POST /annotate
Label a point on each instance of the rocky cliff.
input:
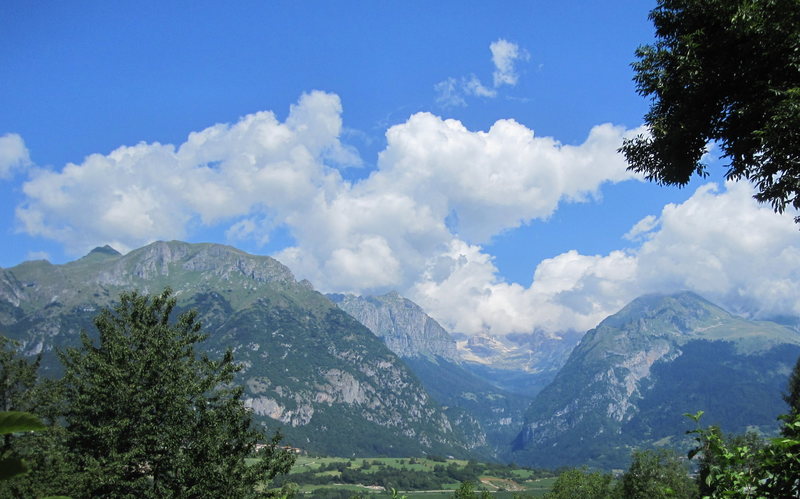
(402, 324)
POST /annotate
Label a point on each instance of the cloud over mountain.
(417, 223)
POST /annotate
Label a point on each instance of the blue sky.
(449, 150)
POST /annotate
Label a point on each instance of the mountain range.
(632, 378)
(354, 375)
(329, 383)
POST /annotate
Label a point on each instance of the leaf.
(15, 421)
(11, 467)
(694, 417)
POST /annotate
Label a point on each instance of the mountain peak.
(683, 312)
(104, 250)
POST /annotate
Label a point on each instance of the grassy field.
(342, 477)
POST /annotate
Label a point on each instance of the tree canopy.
(727, 72)
(139, 413)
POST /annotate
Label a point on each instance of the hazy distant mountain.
(522, 363)
(631, 379)
(489, 416)
(310, 368)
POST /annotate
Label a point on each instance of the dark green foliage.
(146, 416)
(17, 377)
(726, 71)
(14, 422)
(466, 490)
(42, 451)
(792, 395)
(582, 483)
(655, 474)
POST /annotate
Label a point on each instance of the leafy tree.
(656, 474)
(726, 71)
(737, 467)
(146, 416)
(792, 396)
(581, 483)
(467, 491)
(11, 422)
(17, 377)
(42, 452)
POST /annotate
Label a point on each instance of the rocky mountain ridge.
(405, 328)
(308, 367)
(626, 383)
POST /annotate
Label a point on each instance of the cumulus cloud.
(417, 223)
(13, 155)
(569, 292)
(141, 193)
(452, 91)
(719, 243)
(730, 249)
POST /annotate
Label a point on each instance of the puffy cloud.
(13, 154)
(436, 182)
(463, 291)
(417, 222)
(728, 248)
(718, 243)
(141, 193)
(504, 56)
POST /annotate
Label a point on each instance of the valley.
(375, 377)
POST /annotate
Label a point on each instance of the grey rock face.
(407, 330)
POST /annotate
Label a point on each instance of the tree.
(581, 483)
(724, 71)
(655, 474)
(466, 490)
(146, 416)
(42, 452)
(745, 465)
(792, 396)
(17, 377)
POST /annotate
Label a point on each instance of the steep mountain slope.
(310, 368)
(630, 380)
(488, 415)
(402, 324)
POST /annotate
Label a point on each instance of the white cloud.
(570, 291)
(720, 244)
(378, 233)
(452, 92)
(138, 194)
(417, 222)
(13, 155)
(728, 248)
(641, 228)
(504, 56)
